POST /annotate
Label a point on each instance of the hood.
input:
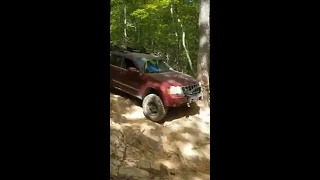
(174, 78)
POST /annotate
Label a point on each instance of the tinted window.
(116, 60)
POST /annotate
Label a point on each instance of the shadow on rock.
(180, 112)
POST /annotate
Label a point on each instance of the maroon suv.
(152, 80)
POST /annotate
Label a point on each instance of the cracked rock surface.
(140, 149)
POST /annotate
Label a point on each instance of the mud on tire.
(153, 108)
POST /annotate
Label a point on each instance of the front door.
(133, 79)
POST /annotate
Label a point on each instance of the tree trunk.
(125, 24)
(183, 40)
(175, 31)
(185, 47)
(204, 50)
(178, 45)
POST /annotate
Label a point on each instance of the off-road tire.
(162, 110)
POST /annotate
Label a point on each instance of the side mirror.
(133, 69)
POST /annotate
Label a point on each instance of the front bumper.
(176, 100)
(194, 98)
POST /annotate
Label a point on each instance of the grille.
(191, 89)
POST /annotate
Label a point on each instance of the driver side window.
(129, 63)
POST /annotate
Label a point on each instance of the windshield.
(155, 66)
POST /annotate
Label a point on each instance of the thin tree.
(204, 49)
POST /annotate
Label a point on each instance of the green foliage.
(150, 25)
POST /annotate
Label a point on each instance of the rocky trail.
(176, 149)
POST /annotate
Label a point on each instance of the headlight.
(175, 90)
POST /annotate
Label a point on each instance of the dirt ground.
(177, 148)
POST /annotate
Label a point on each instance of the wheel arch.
(152, 90)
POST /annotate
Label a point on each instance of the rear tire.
(153, 108)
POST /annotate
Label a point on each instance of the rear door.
(116, 70)
(119, 74)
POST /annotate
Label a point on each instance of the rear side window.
(116, 60)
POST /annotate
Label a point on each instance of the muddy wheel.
(153, 108)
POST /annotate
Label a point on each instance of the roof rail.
(136, 50)
(128, 49)
(115, 48)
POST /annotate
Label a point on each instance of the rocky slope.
(140, 149)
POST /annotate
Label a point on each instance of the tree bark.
(204, 50)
